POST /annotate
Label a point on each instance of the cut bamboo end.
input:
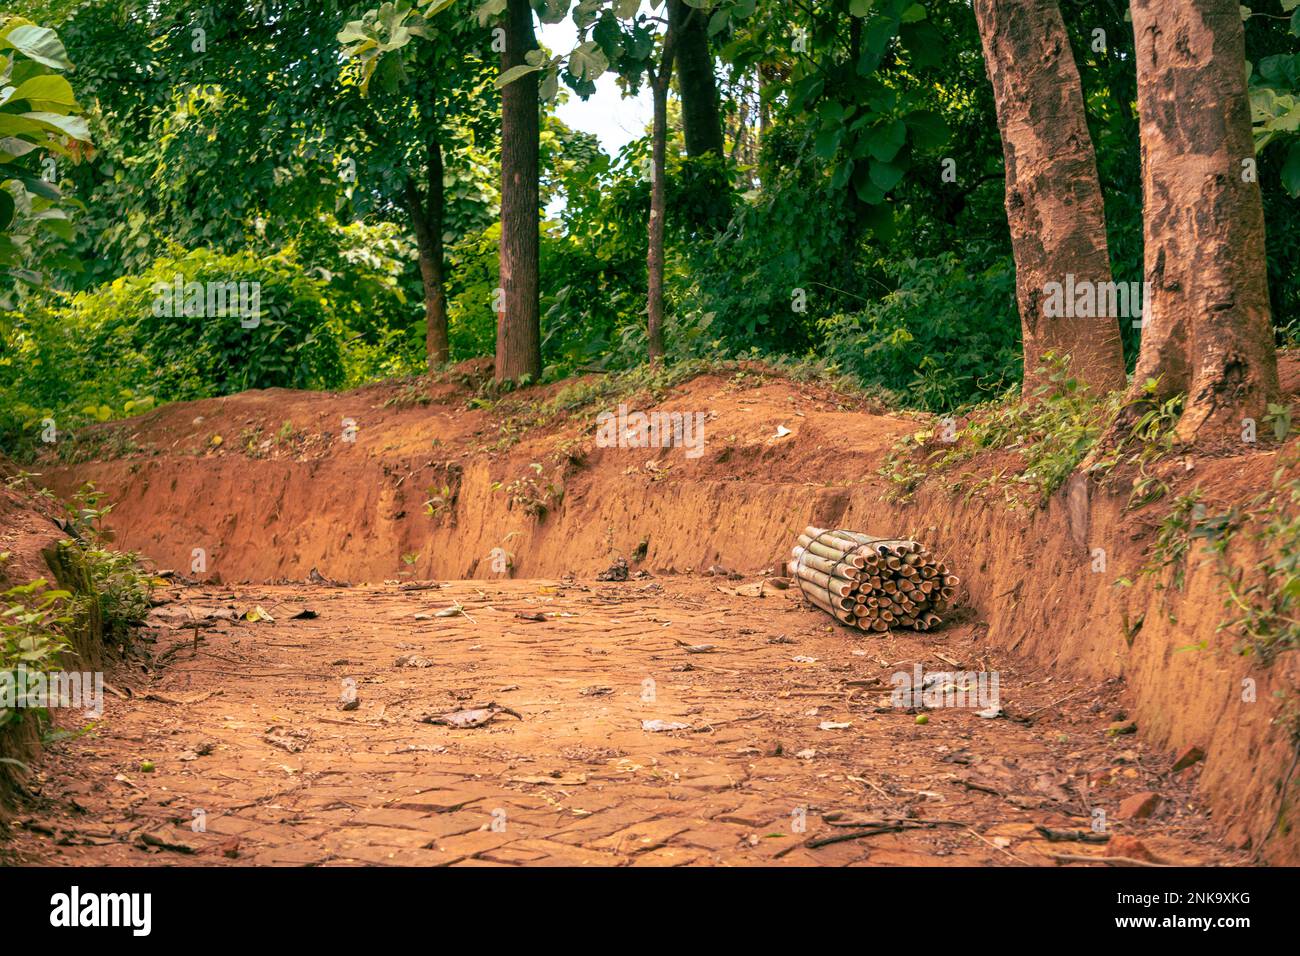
(870, 582)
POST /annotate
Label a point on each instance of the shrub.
(945, 337)
(116, 349)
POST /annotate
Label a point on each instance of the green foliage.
(373, 293)
(1174, 538)
(1263, 602)
(833, 232)
(32, 618)
(1047, 437)
(114, 349)
(1146, 442)
(40, 126)
(942, 339)
(106, 598)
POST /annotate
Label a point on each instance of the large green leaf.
(46, 90)
(37, 43)
(885, 175)
(74, 126)
(1291, 170)
(886, 140)
(12, 124)
(514, 73)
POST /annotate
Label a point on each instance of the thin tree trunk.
(658, 197)
(519, 349)
(1053, 199)
(427, 221)
(1208, 330)
(701, 114)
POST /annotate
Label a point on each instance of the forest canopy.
(825, 184)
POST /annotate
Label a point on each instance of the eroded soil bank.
(410, 483)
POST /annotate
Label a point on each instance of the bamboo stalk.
(872, 582)
(838, 613)
(829, 551)
(835, 586)
(825, 565)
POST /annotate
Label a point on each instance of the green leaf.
(860, 8)
(550, 85)
(886, 140)
(47, 89)
(1291, 171)
(913, 14)
(553, 11)
(74, 126)
(38, 43)
(929, 129)
(885, 175)
(866, 190)
(514, 73)
(33, 182)
(588, 61)
(12, 125)
(828, 141)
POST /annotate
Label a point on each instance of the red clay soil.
(411, 482)
(790, 752)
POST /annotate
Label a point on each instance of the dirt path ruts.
(579, 781)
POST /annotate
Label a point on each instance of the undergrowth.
(1261, 601)
(1050, 434)
(582, 400)
(105, 598)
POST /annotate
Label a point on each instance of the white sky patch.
(614, 119)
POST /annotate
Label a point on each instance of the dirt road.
(790, 739)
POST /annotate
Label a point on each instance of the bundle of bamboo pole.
(872, 583)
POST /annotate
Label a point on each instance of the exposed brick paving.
(577, 781)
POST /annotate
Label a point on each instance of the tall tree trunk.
(701, 113)
(519, 347)
(1053, 199)
(658, 204)
(658, 197)
(426, 214)
(1208, 331)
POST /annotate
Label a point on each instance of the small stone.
(1140, 806)
(1188, 757)
(1131, 847)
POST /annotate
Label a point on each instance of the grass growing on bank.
(643, 385)
(1049, 436)
(98, 599)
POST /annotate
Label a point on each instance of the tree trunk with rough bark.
(658, 197)
(1053, 198)
(519, 349)
(1208, 331)
(701, 113)
(426, 214)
